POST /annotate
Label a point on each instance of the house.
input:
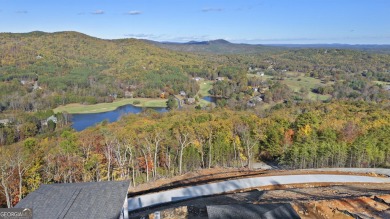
(52, 118)
(38, 57)
(4, 121)
(79, 200)
(113, 96)
(36, 86)
(250, 104)
(197, 78)
(190, 100)
(128, 94)
(257, 99)
(182, 93)
(219, 79)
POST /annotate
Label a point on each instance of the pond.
(83, 121)
(210, 99)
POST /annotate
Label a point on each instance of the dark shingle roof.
(77, 200)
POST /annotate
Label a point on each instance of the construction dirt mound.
(361, 207)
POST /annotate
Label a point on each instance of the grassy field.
(299, 81)
(105, 107)
(381, 82)
(204, 87)
(296, 81)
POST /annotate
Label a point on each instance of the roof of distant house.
(52, 118)
(4, 121)
(191, 100)
(77, 200)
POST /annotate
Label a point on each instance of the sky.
(239, 21)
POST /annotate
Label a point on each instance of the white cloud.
(169, 38)
(190, 38)
(97, 12)
(212, 9)
(134, 13)
(144, 36)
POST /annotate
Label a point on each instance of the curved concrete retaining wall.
(382, 171)
(238, 184)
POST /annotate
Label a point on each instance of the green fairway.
(105, 107)
(296, 81)
(204, 87)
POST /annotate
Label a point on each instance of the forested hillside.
(150, 146)
(72, 67)
(43, 70)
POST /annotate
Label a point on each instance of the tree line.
(149, 146)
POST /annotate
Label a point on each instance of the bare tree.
(247, 140)
(154, 141)
(22, 165)
(7, 168)
(183, 134)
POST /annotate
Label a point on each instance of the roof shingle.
(77, 200)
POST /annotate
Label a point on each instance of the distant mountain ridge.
(378, 48)
(221, 46)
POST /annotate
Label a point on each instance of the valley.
(104, 110)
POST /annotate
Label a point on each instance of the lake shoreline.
(77, 108)
(82, 121)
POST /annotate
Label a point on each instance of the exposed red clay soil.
(361, 207)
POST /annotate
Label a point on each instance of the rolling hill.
(74, 67)
(41, 70)
(219, 46)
